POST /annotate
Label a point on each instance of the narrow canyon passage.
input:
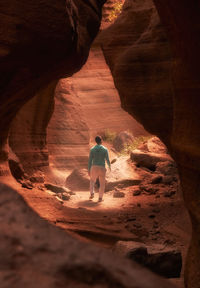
(67, 70)
(134, 208)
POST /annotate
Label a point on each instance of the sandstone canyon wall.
(86, 104)
(42, 41)
(50, 40)
(161, 90)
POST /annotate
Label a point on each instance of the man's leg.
(102, 175)
(92, 181)
(91, 188)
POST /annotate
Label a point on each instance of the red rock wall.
(51, 40)
(159, 85)
(86, 104)
(44, 40)
(138, 53)
(67, 133)
(27, 135)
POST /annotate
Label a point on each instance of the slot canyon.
(126, 70)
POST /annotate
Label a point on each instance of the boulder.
(155, 145)
(168, 179)
(166, 168)
(78, 180)
(137, 192)
(110, 185)
(148, 160)
(118, 194)
(122, 139)
(156, 179)
(55, 188)
(165, 261)
(65, 196)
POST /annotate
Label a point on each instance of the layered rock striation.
(40, 42)
(158, 83)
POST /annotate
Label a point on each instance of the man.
(96, 167)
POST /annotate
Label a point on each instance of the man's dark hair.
(98, 139)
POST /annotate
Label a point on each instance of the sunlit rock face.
(160, 86)
(138, 53)
(67, 133)
(40, 42)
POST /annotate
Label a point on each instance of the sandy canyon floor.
(147, 217)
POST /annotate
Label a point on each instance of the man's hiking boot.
(91, 196)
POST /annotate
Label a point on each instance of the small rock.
(156, 179)
(137, 192)
(55, 188)
(65, 196)
(27, 184)
(155, 232)
(166, 168)
(169, 193)
(72, 193)
(152, 216)
(37, 179)
(131, 219)
(113, 161)
(149, 189)
(167, 179)
(118, 194)
(162, 260)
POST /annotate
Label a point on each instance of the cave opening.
(143, 202)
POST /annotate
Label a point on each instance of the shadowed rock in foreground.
(33, 251)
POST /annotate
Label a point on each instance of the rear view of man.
(96, 167)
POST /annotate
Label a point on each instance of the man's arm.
(107, 159)
(90, 162)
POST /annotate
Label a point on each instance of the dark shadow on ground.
(88, 203)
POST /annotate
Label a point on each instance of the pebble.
(137, 225)
(137, 192)
(152, 215)
(118, 194)
(169, 193)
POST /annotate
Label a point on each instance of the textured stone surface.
(138, 53)
(68, 132)
(33, 251)
(40, 42)
(162, 90)
(148, 160)
(122, 139)
(86, 104)
(165, 261)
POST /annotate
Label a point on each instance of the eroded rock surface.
(159, 85)
(137, 50)
(50, 40)
(31, 246)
